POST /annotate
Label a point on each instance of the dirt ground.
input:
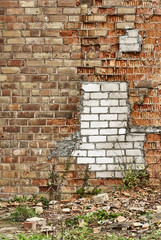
(130, 213)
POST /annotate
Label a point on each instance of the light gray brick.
(119, 95)
(108, 117)
(104, 174)
(89, 131)
(108, 87)
(108, 131)
(118, 124)
(87, 146)
(115, 138)
(135, 137)
(118, 174)
(133, 152)
(99, 124)
(89, 103)
(96, 167)
(97, 138)
(118, 109)
(96, 153)
(99, 95)
(91, 87)
(122, 117)
(122, 103)
(109, 102)
(85, 160)
(128, 40)
(104, 160)
(123, 87)
(86, 110)
(89, 117)
(123, 145)
(114, 152)
(99, 109)
(84, 124)
(79, 153)
(105, 145)
(122, 131)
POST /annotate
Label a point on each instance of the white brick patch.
(131, 42)
(106, 144)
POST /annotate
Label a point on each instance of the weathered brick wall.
(48, 48)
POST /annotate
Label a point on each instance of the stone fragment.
(137, 224)
(38, 210)
(34, 223)
(66, 210)
(101, 198)
(121, 219)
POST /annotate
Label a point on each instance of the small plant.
(45, 201)
(135, 177)
(55, 181)
(84, 190)
(21, 213)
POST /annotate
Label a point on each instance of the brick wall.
(48, 50)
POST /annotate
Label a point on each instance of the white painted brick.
(130, 47)
(138, 144)
(97, 138)
(119, 95)
(115, 152)
(115, 138)
(124, 145)
(99, 95)
(91, 87)
(84, 139)
(99, 124)
(80, 153)
(89, 117)
(118, 124)
(109, 102)
(99, 109)
(85, 160)
(89, 131)
(86, 110)
(89, 103)
(122, 117)
(108, 117)
(105, 145)
(86, 96)
(104, 160)
(118, 174)
(135, 137)
(122, 131)
(132, 33)
(122, 103)
(112, 167)
(87, 146)
(108, 131)
(118, 109)
(84, 124)
(95, 167)
(123, 87)
(108, 87)
(128, 40)
(96, 153)
(104, 174)
(133, 152)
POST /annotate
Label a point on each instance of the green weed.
(21, 213)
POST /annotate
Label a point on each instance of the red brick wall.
(47, 47)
